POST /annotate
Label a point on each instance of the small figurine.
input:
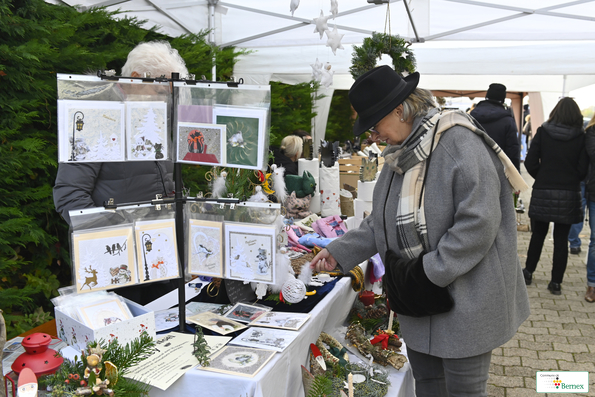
(27, 383)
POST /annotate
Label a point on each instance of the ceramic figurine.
(27, 383)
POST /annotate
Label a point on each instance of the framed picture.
(284, 320)
(240, 361)
(104, 258)
(205, 248)
(216, 323)
(91, 131)
(146, 131)
(245, 135)
(250, 252)
(199, 143)
(265, 338)
(100, 314)
(245, 313)
(156, 250)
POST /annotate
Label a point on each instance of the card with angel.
(156, 249)
(205, 248)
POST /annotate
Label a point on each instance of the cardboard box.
(77, 334)
(349, 170)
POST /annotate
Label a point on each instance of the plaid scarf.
(410, 160)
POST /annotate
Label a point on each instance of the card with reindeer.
(156, 250)
(205, 248)
(104, 258)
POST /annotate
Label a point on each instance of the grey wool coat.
(472, 233)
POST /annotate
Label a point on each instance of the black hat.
(376, 93)
(496, 92)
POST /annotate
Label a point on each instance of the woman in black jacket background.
(558, 161)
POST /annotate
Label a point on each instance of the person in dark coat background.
(499, 123)
(288, 154)
(558, 161)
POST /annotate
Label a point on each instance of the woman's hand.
(323, 261)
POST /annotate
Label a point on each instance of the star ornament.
(334, 40)
(404, 55)
(334, 8)
(321, 25)
(316, 69)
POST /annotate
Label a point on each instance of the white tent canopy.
(539, 46)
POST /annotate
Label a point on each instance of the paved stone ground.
(560, 332)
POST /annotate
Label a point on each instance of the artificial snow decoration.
(334, 40)
(293, 5)
(259, 196)
(219, 188)
(284, 271)
(326, 78)
(334, 8)
(305, 273)
(321, 25)
(279, 182)
(293, 290)
(316, 70)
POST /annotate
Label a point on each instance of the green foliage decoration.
(292, 108)
(365, 56)
(123, 357)
(321, 387)
(339, 126)
(37, 41)
(201, 347)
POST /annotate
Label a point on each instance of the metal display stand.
(178, 198)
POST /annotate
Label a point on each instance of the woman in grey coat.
(444, 225)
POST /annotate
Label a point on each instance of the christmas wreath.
(365, 57)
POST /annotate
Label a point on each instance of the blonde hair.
(418, 103)
(292, 146)
(591, 122)
(155, 57)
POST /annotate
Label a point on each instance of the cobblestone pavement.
(560, 332)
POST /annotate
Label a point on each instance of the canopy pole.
(563, 85)
(212, 4)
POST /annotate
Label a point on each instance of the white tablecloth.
(282, 375)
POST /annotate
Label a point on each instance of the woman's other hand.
(323, 261)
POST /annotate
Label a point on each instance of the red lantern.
(38, 357)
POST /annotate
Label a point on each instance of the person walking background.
(498, 121)
(558, 162)
(590, 193)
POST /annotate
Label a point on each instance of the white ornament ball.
(293, 290)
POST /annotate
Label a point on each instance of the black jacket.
(501, 127)
(291, 167)
(558, 161)
(590, 146)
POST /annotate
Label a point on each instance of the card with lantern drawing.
(91, 131)
(250, 252)
(205, 248)
(146, 131)
(200, 143)
(104, 258)
(156, 250)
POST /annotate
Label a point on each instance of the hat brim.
(363, 124)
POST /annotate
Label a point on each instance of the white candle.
(390, 321)
(350, 384)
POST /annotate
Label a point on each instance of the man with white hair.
(88, 185)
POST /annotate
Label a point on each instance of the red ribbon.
(382, 338)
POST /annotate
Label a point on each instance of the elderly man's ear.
(135, 74)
